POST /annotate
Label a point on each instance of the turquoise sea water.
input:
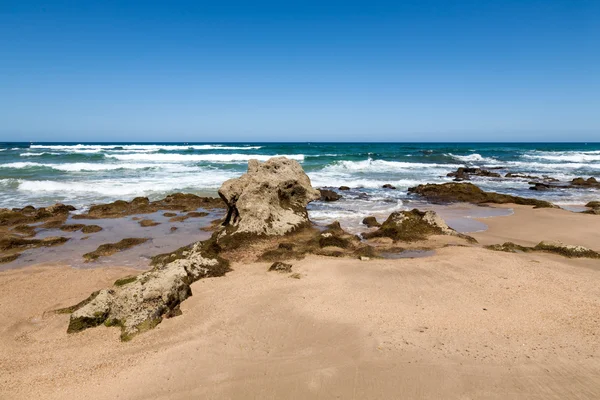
(84, 173)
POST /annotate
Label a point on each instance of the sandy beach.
(464, 323)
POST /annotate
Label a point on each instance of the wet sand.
(463, 323)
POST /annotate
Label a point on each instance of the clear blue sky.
(300, 71)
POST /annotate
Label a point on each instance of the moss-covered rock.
(139, 303)
(71, 227)
(566, 250)
(559, 248)
(91, 229)
(281, 267)
(469, 193)
(20, 243)
(142, 205)
(145, 223)
(414, 225)
(108, 249)
(509, 247)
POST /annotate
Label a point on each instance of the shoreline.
(454, 323)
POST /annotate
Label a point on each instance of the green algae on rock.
(139, 303)
(566, 250)
(414, 225)
(142, 205)
(469, 193)
(108, 249)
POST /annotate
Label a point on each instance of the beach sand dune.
(464, 323)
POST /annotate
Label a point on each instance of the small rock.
(329, 195)
(389, 186)
(281, 267)
(370, 222)
(363, 258)
(343, 188)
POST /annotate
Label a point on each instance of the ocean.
(85, 173)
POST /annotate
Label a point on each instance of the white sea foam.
(324, 180)
(472, 158)
(121, 188)
(575, 157)
(217, 158)
(370, 165)
(77, 167)
(39, 154)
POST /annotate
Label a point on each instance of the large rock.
(409, 226)
(469, 193)
(270, 199)
(139, 303)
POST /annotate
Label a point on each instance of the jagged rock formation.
(270, 199)
(410, 226)
(469, 193)
(139, 303)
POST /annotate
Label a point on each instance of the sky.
(300, 70)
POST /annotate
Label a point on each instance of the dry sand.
(465, 323)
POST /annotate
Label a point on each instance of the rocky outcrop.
(465, 173)
(577, 183)
(593, 208)
(559, 248)
(270, 199)
(588, 183)
(469, 193)
(142, 205)
(414, 225)
(136, 304)
(371, 222)
(329, 195)
(29, 214)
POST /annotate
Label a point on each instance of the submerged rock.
(91, 229)
(142, 205)
(414, 225)
(20, 243)
(139, 303)
(469, 193)
(145, 223)
(270, 199)
(465, 173)
(329, 195)
(108, 249)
